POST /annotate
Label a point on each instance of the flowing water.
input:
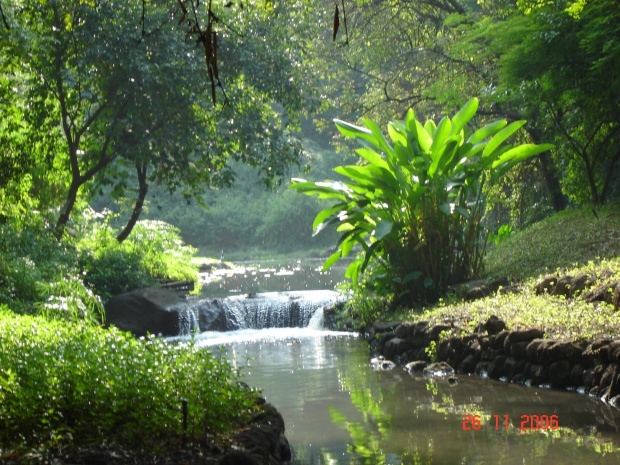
(338, 411)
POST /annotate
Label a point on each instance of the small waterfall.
(188, 320)
(257, 311)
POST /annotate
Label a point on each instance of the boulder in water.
(438, 370)
(148, 310)
(380, 363)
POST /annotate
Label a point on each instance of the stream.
(339, 411)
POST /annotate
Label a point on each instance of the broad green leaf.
(423, 138)
(411, 276)
(463, 116)
(372, 157)
(382, 142)
(347, 245)
(370, 253)
(500, 137)
(445, 156)
(333, 258)
(357, 132)
(463, 212)
(430, 127)
(384, 227)
(486, 131)
(396, 135)
(410, 121)
(439, 137)
(324, 214)
(447, 208)
(520, 153)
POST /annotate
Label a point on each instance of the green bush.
(163, 252)
(30, 253)
(72, 383)
(114, 270)
(416, 206)
(68, 299)
(154, 250)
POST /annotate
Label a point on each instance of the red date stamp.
(527, 422)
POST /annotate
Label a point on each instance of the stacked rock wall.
(520, 356)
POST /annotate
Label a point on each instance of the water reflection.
(338, 411)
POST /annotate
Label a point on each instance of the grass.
(572, 242)
(569, 238)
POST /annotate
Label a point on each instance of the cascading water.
(257, 311)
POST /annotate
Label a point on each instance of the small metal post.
(184, 408)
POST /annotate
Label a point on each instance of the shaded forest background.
(198, 113)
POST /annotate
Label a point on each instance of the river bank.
(550, 319)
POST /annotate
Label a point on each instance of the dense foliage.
(38, 271)
(64, 384)
(416, 205)
(552, 63)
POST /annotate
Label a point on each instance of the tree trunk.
(137, 209)
(552, 183)
(550, 177)
(610, 172)
(63, 219)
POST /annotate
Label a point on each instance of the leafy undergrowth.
(70, 384)
(558, 316)
(570, 243)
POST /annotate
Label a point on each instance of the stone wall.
(521, 356)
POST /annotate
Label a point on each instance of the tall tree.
(128, 87)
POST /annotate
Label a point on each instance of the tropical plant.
(416, 206)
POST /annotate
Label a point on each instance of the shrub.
(416, 205)
(154, 250)
(30, 253)
(63, 383)
(113, 270)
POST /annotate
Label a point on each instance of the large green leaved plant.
(415, 206)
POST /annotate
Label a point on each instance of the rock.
(405, 330)
(569, 286)
(238, 457)
(468, 364)
(263, 440)
(519, 349)
(395, 347)
(555, 351)
(438, 370)
(559, 374)
(434, 331)
(521, 336)
(546, 285)
(381, 364)
(494, 325)
(148, 310)
(537, 374)
(416, 367)
(563, 285)
(576, 375)
(602, 293)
